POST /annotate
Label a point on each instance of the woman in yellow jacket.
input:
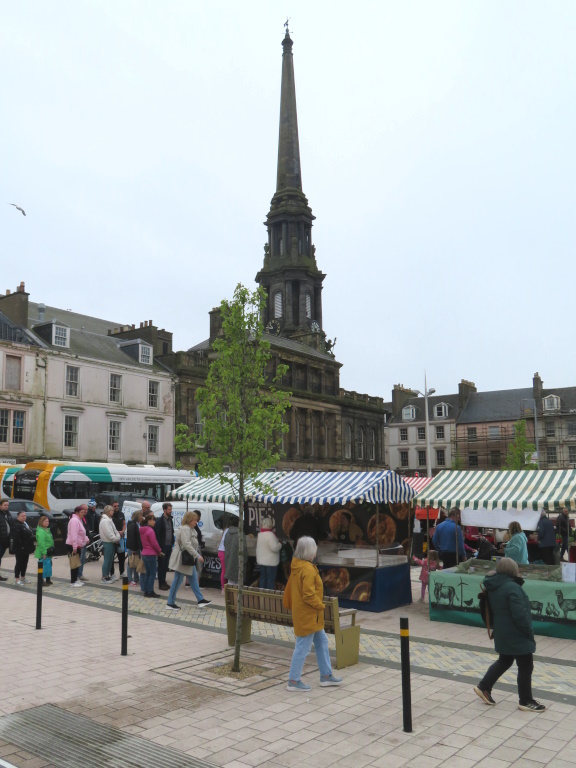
(303, 596)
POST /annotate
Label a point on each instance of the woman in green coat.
(44, 542)
(513, 635)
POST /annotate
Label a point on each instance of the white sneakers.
(77, 584)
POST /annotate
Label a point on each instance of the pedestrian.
(23, 544)
(119, 521)
(517, 547)
(45, 548)
(186, 541)
(563, 530)
(133, 545)
(84, 551)
(513, 635)
(5, 525)
(109, 537)
(448, 540)
(304, 597)
(199, 562)
(546, 538)
(76, 539)
(164, 530)
(221, 553)
(151, 551)
(268, 553)
(425, 572)
(231, 549)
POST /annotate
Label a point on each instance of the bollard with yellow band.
(124, 616)
(39, 586)
(405, 665)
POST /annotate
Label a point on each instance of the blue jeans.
(267, 576)
(303, 648)
(151, 564)
(82, 562)
(109, 548)
(130, 572)
(194, 586)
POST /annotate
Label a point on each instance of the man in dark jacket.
(5, 521)
(563, 530)
(513, 635)
(164, 530)
(546, 538)
(448, 540)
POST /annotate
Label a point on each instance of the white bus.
(59, 485)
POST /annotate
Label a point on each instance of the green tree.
(457, 461)
(520, 450)
(242, 410)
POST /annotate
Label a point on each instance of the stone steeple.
(290, 274)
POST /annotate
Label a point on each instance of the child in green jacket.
(44, 542)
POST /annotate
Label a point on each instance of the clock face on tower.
(274, 327)
(314, 327)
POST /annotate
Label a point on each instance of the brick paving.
(75, 663)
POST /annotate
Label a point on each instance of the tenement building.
(330, 428)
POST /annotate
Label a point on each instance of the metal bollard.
(405, 663)
(124, 616)
(39, 585)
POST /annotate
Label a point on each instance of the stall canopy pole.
(428, 537)
(377, 535)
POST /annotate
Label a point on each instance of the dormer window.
(408, 413)
(441, 411)
(145, 354)
(60, 335)
(551, 403)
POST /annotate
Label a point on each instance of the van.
(211, 525)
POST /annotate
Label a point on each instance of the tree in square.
(520, 451)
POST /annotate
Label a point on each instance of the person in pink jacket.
(151, 551)
(76, 539)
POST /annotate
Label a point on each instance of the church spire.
(289, 173)
(290, 274)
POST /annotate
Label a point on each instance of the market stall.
(362, 523)
(492, 499)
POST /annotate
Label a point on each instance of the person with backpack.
(513, 635)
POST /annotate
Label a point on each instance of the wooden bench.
(266, 605)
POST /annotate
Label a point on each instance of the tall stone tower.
(290, 274)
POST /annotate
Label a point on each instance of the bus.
(59, 485)
(7, 472)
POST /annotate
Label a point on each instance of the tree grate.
(69, 740)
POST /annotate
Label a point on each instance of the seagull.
(22, 211)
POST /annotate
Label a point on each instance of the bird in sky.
(22, 211)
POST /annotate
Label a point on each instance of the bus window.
(25, 484)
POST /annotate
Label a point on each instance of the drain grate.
(68, 740)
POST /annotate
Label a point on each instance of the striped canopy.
(338, 488)
(520, 489)
(418, 483)
(212, 490)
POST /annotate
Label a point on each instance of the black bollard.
(39, 586)
(124, 616)
(405, 662)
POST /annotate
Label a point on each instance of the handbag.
(75, 561)
(140, 567)
(50, 551)
(187, 558)
(133, 560)
(121, 545)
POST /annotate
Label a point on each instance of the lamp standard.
(426, 394)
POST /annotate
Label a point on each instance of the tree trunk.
(236, 665)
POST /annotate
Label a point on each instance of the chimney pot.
(7, 291)
(141, 324)
(149, 322)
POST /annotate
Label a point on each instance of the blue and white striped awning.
(211, 489)
(338, 488)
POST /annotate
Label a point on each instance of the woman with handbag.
(133, 546)
(23, 543)
(45, 548)
(151, 551)
(183, 561)
(109, 537)
(76, 539)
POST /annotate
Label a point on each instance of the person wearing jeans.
(513, 635)
(76, 538)
(186, 540)
(151, 551)
(267, 554)
(109, 537)
(304, 595)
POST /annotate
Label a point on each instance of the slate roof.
(9, 331)
(71, 319)
(499, 405)
(567, 397)
(453, 401)
(279, 342)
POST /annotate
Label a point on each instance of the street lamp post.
(426, 394)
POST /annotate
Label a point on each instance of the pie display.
(362, 592)
(336, 519)
(400, 511)
(386, 530)
(289, 519)
(336, 579)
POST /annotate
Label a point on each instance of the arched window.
(360, 443)
(308, 307)
(371, 445)
(278, 304)
(348, 441)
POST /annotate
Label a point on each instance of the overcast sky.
(437, 148)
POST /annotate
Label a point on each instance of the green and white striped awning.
(520, 489)
(212, 489)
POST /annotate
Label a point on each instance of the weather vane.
(286, 25)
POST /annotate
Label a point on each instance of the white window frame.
(440, 433)
(443, 408)
(114, 436)
(550, 429)
(572, 454)
(20, 359)
(10, 429)
(72, 385)
(551, 455)
(60, 336)
(74, 433)
(145, 356)
(153, 397)
(440, 457)
(117, 389)
(472, 434)
(551, 403)
(403, 434)
(421, 433)
(421, 457)
(494, 432)
(408, 413)
(404, 457)
(153, 439)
